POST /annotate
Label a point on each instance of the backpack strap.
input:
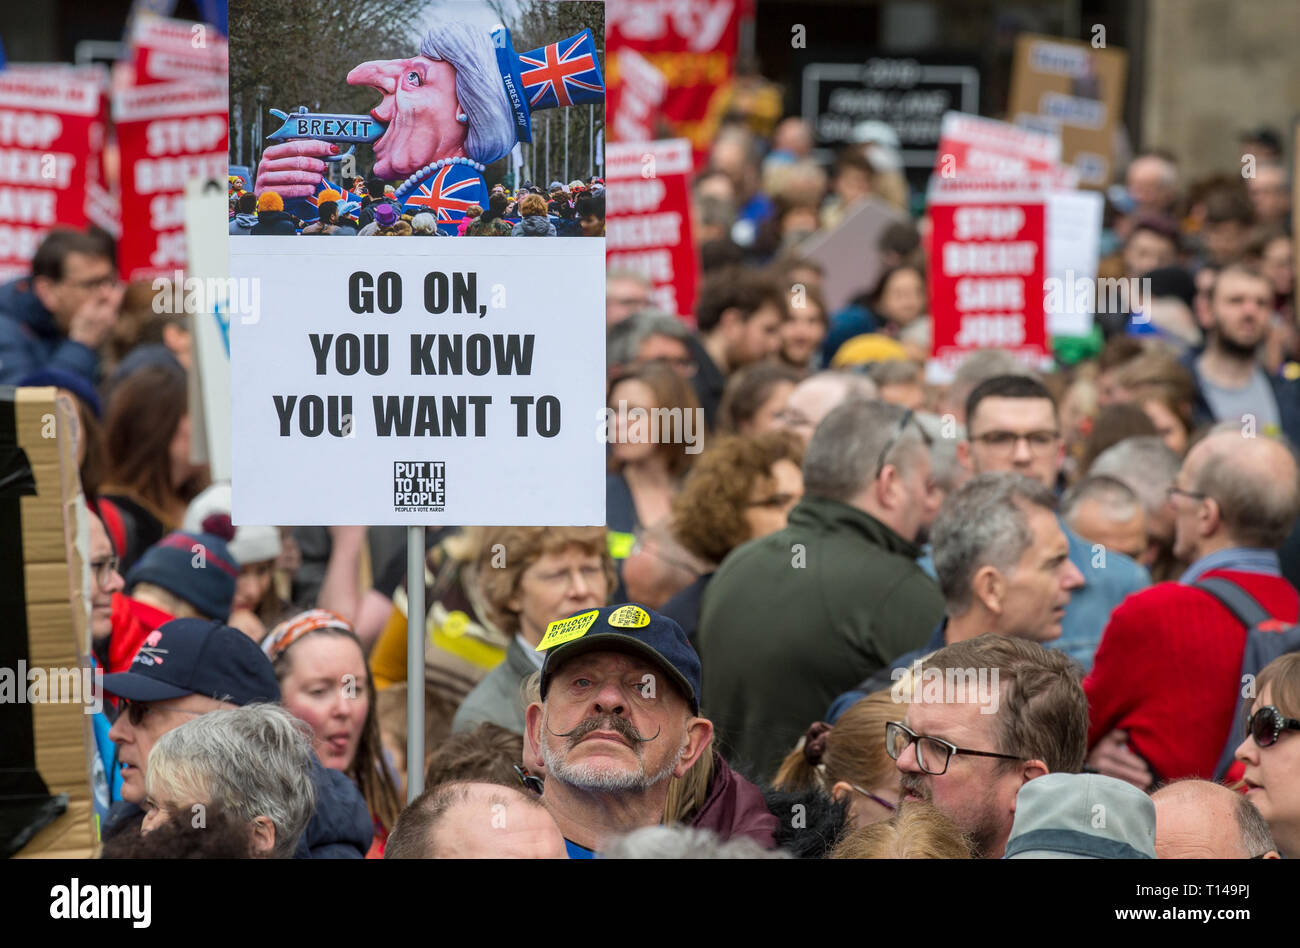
(1241, 604)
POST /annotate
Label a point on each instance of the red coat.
(1168, 671)
(735, 807)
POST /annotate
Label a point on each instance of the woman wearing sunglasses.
(1271, 751)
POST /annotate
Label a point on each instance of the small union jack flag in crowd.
(448, 194)
(562, 74)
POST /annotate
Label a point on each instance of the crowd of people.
(849, 614)
(364, 208)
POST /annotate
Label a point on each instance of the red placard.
(49, 123)
(168, 133)
(987, 266)
(648, 218)
(164, 50)
(692, 43)
(972, 145)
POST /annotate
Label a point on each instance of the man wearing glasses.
(1012, 425)
(59, 316)
(987, 716)
(797, 617)
(1167, 681)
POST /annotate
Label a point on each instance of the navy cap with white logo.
(197, 657)
(628, 627)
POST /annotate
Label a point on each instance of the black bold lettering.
(479, 360)
(311, 415)
(284, 409)
(361, 297)
(421, 354)
(479, 403)
(521, 403)
(548, 416)
(393, 415)
(512, 357)
(320, 347)
(347, 354)
(464, 288)
(451, 355)
(390, 292)
(376, 354)
(435, 293)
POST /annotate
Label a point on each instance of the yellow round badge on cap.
(566, 630)
(629, 617)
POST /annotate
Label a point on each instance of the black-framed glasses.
(104, 568)
(1267, 724)
(898, 434)
(932, 753)
(871, 796)
(1040, 442)
(1173, 490)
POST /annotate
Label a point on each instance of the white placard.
(1073, 236)
(527, 323)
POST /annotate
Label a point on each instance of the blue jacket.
(340, 828)
(30, 340)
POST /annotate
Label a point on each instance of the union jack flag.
(562, 74)
(448, 194)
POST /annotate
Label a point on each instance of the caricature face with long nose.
(419, 107)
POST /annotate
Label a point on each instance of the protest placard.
(1077, 86)
(987, 266)
(648, 228)
(168, 134)
(693, 44)
(373, 382)
(49, 126)
(166, 50)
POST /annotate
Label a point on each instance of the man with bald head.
(464, 820)
(1152, 183)
(1166, 680)
(814, 397)
(1197, 819)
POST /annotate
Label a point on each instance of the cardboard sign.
(987, 267)
(850, 253)
(389, 381)
(46, 717)
(50, 129)
(648, 224)
(1080, 89)
(692, 43)
(168, 134)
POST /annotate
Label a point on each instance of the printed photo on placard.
(463, 118)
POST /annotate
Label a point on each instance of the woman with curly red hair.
(741, 488)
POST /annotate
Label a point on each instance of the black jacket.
(274, 222)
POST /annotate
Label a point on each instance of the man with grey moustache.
(618, 717)
(983, 718)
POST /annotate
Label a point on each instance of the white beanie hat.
(251, 544)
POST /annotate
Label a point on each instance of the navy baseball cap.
(197, 657)
(627, 628)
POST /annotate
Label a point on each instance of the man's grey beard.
(586, 777)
